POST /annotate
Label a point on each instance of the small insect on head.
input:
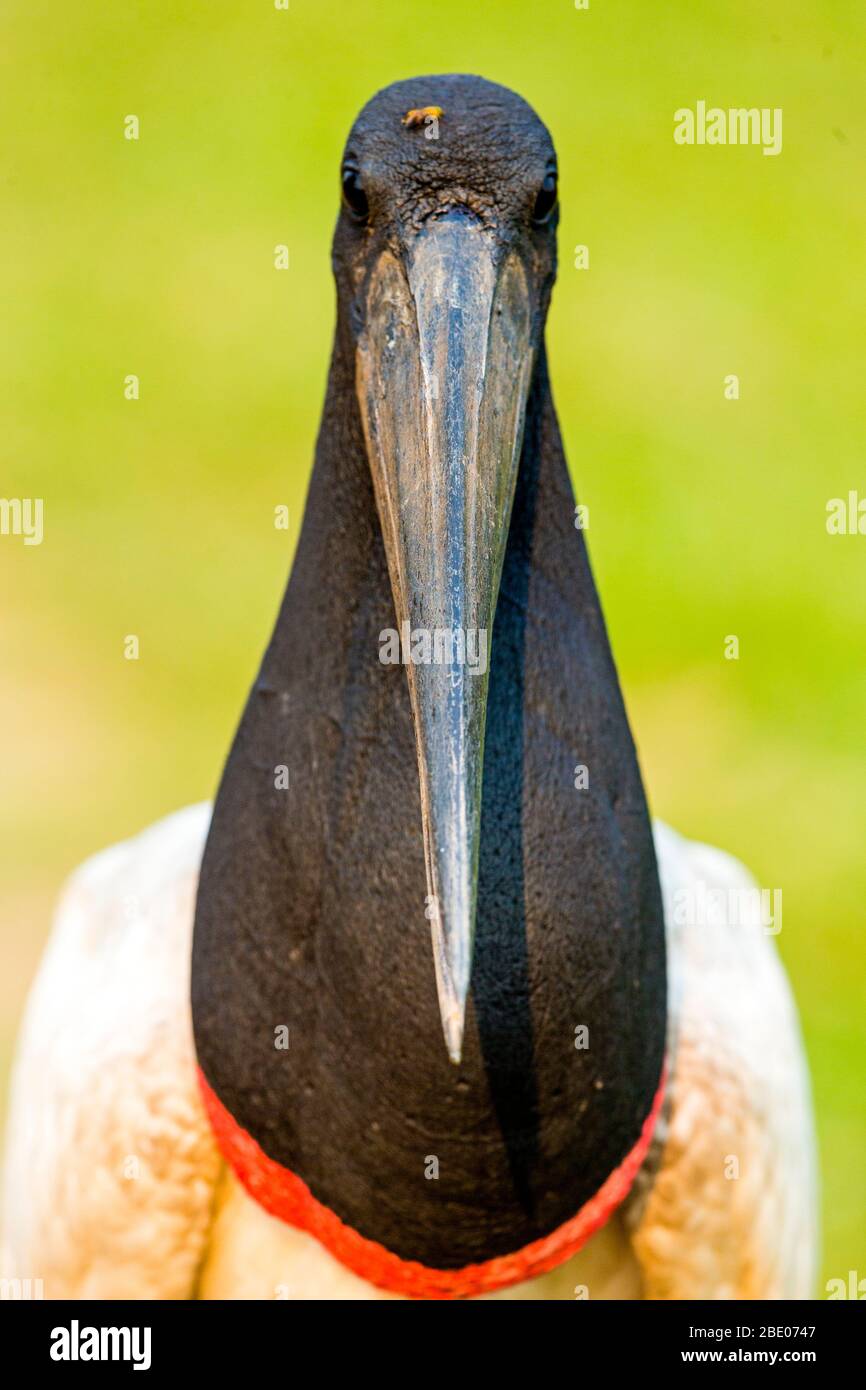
(422, 115)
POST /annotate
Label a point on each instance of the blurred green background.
(707, 515)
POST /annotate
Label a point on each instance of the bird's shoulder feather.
(727, 1209)
(110, 1165)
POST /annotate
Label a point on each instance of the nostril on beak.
(454, 212)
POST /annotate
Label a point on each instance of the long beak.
(444, 363)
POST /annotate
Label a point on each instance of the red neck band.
(287, 1197)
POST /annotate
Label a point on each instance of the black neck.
(311, 904)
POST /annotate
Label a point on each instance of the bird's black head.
(433, 147)
(445, 254)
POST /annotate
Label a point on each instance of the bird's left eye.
(545, 200)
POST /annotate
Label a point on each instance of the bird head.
(445, 255)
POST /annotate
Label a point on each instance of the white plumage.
(114, 1187)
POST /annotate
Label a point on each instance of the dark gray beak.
(443, 370)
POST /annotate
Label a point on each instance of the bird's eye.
(353, 192)
(545, 201)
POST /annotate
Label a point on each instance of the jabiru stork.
(258, 1081)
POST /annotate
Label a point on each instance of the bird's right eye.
(353, 192)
